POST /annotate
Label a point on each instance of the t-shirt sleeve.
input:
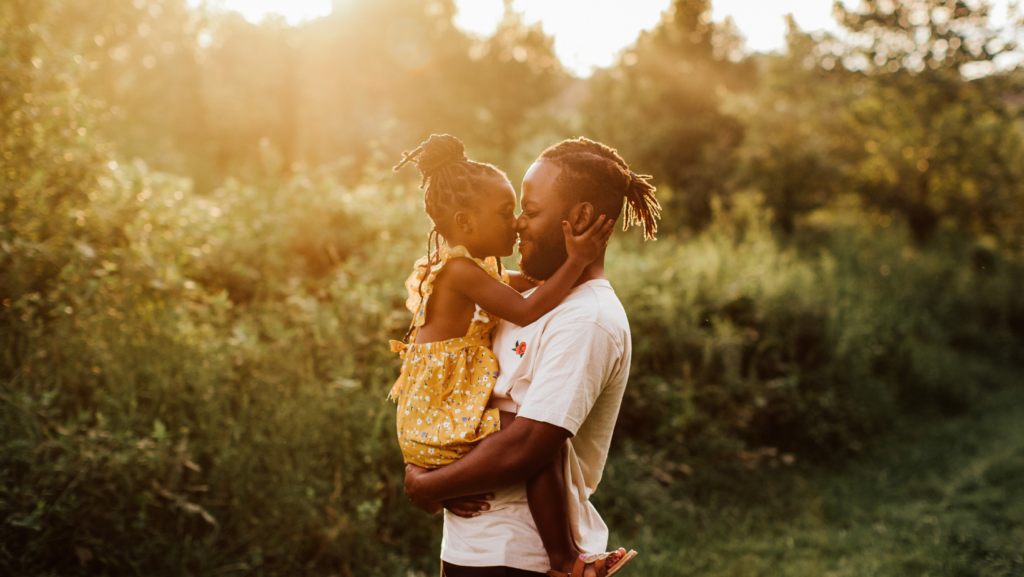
(576, 360)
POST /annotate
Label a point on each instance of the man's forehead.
(539, 182)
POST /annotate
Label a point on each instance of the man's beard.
(547, 256)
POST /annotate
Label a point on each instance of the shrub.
(209, 373)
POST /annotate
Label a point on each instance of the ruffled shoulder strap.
(420, 284)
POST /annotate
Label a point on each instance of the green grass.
(937, 497)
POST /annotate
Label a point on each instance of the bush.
(141, 399)
(209, 373)
(750, 353)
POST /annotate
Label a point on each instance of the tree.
(891, 110)
(209, 95)
(251, 87)
(139, 59)
(48, 150)
(390, 73)
(949, 149)
(661, 107)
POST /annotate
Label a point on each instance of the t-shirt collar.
(603, 282)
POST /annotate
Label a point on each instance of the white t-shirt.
(569, 369)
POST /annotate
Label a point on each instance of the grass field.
(937, 497)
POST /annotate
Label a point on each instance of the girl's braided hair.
(451, 182)
(595, 173)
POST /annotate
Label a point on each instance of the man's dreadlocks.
(595, 173)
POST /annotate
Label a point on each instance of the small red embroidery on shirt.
(520, 348)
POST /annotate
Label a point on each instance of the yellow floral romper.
(444, 387)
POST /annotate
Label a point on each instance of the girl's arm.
(520, 282)
(503, 301)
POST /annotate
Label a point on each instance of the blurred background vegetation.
(202, 253)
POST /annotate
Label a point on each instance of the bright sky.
(590, 33)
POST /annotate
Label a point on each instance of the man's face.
(541, 240)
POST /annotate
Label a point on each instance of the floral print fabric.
(444, 387)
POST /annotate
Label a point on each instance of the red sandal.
(598, 560)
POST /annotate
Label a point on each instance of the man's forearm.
(505, 458)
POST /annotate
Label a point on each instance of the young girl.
(448, 369)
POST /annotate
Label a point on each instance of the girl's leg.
(546, 495)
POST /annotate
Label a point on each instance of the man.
(564, 375)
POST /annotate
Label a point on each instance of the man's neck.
(594, 271)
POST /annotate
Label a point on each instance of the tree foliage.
(886, 112)
(661, 107)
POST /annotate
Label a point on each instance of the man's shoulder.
(593, 302)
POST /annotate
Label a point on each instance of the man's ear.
(581, 217)
(463, 222)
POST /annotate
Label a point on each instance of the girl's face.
(493, 230)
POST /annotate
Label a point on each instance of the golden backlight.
(591, 33)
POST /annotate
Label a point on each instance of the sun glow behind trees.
(591, 33)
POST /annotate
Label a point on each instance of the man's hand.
(412, 474)
(469, 506)
(462, 506)
(507, 457)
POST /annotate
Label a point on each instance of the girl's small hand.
(587, 245)
(469, 506)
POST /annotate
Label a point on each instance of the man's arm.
(568, 379)
(505, 458)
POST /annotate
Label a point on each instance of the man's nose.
(520, 223)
